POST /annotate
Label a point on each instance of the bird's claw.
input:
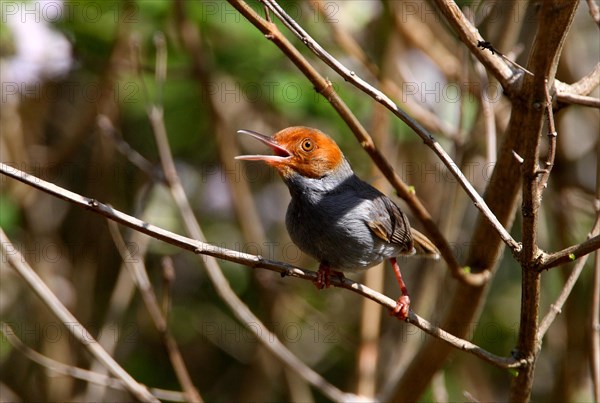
(401, 309)
(324, 277)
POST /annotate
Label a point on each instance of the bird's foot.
(401, 309)
(324, 276)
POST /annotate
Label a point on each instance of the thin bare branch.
(76, 329)
(577, 92)
(427, 118)
(470, 36)
(253, 261)
(138, 272)
(595, 301)
(556, 307)
(380, 97)
(575, 99)
(76, 372)
(585, 85)
(595, 328)
(594, 11)
(552, 134)
(488, 114)
(120, 299)
(487, 45)
(138, 160)
(168, 276)
(548, 261)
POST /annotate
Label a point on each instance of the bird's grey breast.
(331, 225)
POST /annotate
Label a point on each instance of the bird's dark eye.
(307, 145)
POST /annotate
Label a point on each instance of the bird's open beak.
(281, 154)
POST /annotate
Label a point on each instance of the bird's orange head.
(302, 150)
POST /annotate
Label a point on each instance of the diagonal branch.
(548, 261)
(552, 134)
(470, 36)
(137, 270)
(253, 261)
(556, 307)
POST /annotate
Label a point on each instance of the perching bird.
(340, 220)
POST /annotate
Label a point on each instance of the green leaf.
(571, 256)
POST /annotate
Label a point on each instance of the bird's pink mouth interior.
(280, 152)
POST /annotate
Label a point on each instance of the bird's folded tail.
(423, 246)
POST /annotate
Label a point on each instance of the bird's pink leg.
(401, 309)
(324, 276)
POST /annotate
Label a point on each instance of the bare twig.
(552, 134)
(584, 86)
(79, 332)
(594, 11)
(488, 114)
(548, 261)
(380, 97)
(253, 261)
(79, 373)
(168, 276)
(569, 98)
(577, 92)
(556, 307)
(470, 37)
(120, 298)
(138, 160)
(595, 308)
(595, 328)
(427, 118)
(487, 45)
(139, 274)
(325, 88)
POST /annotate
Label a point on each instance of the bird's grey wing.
(390, 224)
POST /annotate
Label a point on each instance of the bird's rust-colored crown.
(302, 150)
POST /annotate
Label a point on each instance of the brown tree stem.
(555, 19)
